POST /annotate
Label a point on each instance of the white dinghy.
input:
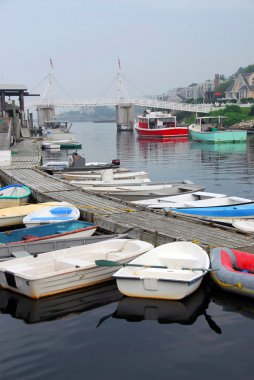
(170, 271)
(68, 269)
(63, 212)
(181, 200)
(244, 225)
(202, 200)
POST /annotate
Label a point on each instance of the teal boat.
(70, 146)
(210, 129)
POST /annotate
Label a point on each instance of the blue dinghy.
(220, 214)
(61, 230)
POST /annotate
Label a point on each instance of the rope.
(224, 285)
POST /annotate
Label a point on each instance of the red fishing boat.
(159, 125)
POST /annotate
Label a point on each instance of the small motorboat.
(159, 125)
(233, 270)
(14, 195)
(171, 271)
(106, 174)
(68, 269)
(150, 190)
(52, 214)
(244, 225)
(210, 129)
(12, 216)
(77, 162)
(59, 230)
(219, 214)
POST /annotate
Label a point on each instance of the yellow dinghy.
(12, 216)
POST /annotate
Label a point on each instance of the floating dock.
(112, 215)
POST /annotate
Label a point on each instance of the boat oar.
(109, 263)
(203, 269)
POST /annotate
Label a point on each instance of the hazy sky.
(161, 44)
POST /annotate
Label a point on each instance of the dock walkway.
(112, 215)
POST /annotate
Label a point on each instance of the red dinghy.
(159, 125)
(233, 270)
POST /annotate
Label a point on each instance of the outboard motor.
(116, 162)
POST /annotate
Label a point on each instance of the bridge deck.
(112, 215)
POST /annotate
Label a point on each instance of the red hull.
(161, 133)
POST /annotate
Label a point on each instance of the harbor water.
(97, 333)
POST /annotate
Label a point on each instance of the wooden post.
(15, 122)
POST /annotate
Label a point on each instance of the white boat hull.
(68, 269)
(157, 289)
(165, 272)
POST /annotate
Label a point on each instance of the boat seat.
(50, 218)
(68, 263)
(114, 256)
(179, 262)
(19, 254)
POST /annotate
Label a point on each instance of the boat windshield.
(161, 123)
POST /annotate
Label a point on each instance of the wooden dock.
(112, 215)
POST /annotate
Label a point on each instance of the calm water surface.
(97, 333)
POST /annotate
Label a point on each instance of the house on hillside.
(243, 87)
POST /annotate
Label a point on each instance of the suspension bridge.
(123, 103)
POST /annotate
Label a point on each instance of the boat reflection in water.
(185, 311)
(233, 303)
(58, 306)
(220, 148)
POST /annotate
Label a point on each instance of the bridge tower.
(124, 110)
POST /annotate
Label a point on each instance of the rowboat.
(36, 247)
(181, 200)
(212, 202)
(52, 214)
(171, 271)
(145, 190)
(59, 230)
(14, 195)
(244, 225)
(68, 269)
(58, 306)
(210, 129)
(233, 270)
(190, 200)
(12, 216)
(219, 214)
